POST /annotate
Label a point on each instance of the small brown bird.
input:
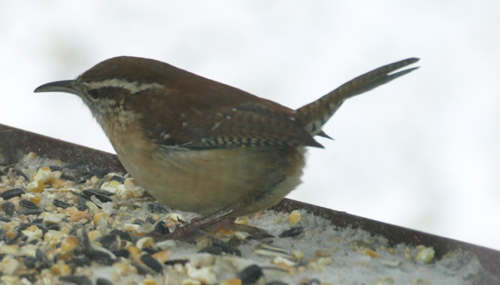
(201, 146)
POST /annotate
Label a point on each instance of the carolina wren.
(201, 146)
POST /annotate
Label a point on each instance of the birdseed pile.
(70, 223)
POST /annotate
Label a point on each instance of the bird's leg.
(211, 222)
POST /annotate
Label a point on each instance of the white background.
(421, 152)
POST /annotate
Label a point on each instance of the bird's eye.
(93, 93)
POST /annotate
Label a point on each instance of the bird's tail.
(314, 115)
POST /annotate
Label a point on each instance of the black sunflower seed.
(157, 207)
(151, 262)
(276, 283)
(30, 262)
(293, 232)
(176, 261)
(117, 178)
(314, 281)
(61, 204)
(150, 250)
(161, 228)
(76, 279)
(98, 256)
(79, 261)
(143, 270)
(224, 248)
(138, 222)
(215, 250)
(8, 208)
(31, 212)
(28, 204)
(123, 235)
(103, 281)
(122, 253)
(251, 274)
(102, 195)
(97, 171)
(15, 192)
(81, 203)
(109, 241)
(30, 277)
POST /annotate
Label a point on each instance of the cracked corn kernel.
(190, 281)
(298, 254)
(31, 156)
(294, 217)
(131, 185)
(49, 218)
(161, 256)
(323, 253)
(33, 233)
(60, 269)
(134, 251)
(203, 242)
(370, 253)
(234, 281)
(80, 217)
(9, 249)
(100, 218)
(53, 238)
(241, 220)
(425, 254)
(94, 235)
(10, 279)
(121, 268)
(284, 263)
(144, 242)
(203, 274)
(35, 199)
(384, 281)
(225, 232)
(9, 265)
(35, 186)
(45, 175)
(111, 186)
(148, 281)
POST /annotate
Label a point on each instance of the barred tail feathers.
(314, 115)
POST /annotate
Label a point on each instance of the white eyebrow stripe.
(133, 87)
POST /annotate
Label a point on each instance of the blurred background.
(421, 152)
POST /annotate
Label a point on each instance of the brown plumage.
(202, 146)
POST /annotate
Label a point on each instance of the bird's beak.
(67, 86)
